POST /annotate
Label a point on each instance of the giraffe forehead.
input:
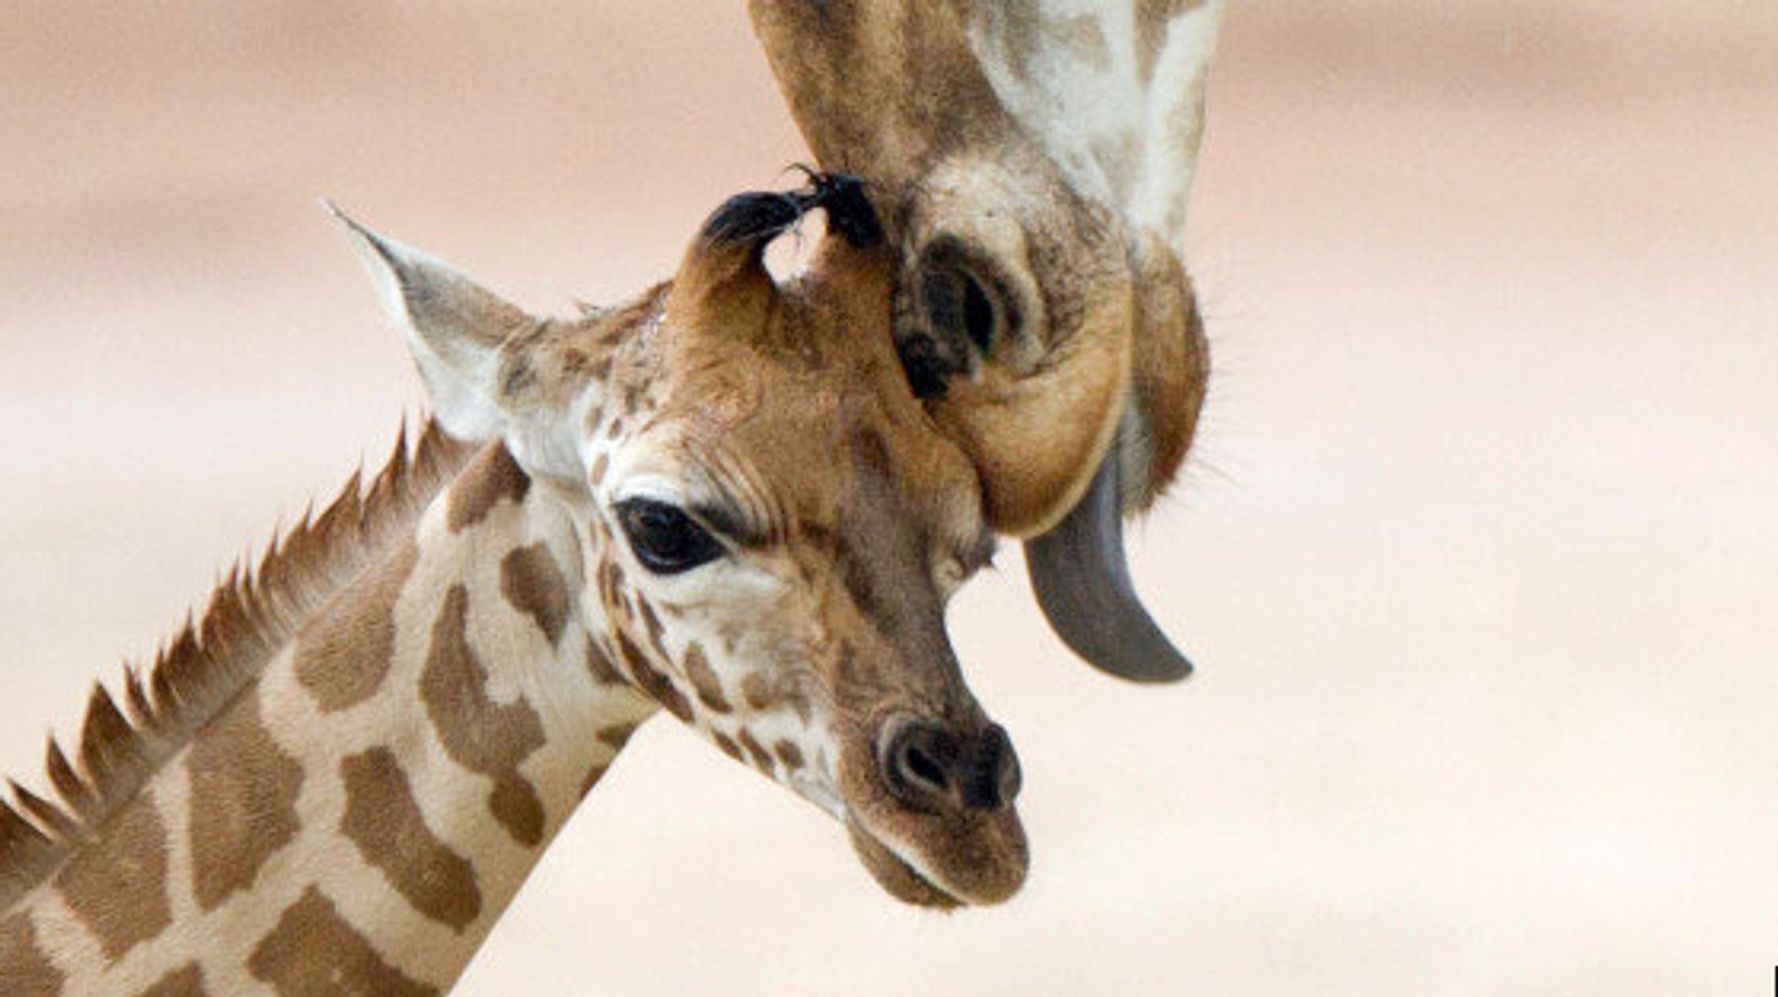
(805, 438)
(781, 412)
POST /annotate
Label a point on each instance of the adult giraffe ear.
(1033, 161)
(466, 342)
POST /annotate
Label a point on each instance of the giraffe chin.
(909, 885)
(902, 881)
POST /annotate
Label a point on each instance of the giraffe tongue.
(1083, 584)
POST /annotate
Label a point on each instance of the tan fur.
(346, 658)
(242, 801)
(531, 581)
(480, 734)
(28, 971)
(187, 981)
(703, 679)
(386, 824)
(500, 480)
(117, 884)
(313, 934)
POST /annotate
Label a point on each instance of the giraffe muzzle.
(937, 825)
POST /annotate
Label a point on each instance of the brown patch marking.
(314, 952)
(491, 477)
(762, 759)
(117, 883)
(728, 746)
(243, 800)
(531, 580)
(757, 691)
(600, 464)
(518, 376)
(593, 776)
(761, 693)
(575, 360)
(655, 630)
(514, 803)
(608, 587)
(616, 736)
(480, 735)
(343, 653)
(658, 686)
(603, 671)
(186, 981)
(789, 754)
(705, 681)
(385, 822)
(24, 969)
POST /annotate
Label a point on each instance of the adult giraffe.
(1034, 159)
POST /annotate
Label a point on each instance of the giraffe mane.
(251, 615)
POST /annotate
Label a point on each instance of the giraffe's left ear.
(462, 337)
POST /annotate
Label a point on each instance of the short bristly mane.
(251, 615)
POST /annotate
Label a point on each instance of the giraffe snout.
(939, 769)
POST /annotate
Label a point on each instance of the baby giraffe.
(721, 499)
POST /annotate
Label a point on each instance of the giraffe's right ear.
(453, 327)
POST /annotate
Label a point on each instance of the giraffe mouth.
(894, 873)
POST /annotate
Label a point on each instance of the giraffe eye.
(665, 539)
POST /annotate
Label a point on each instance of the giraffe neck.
(360, 813)
(1114, 93)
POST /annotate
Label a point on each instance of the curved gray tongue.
(1083, 584)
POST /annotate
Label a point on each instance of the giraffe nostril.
(929, 768)
(921, 766)
(918, 763)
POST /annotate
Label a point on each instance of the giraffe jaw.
(895, 874)
(911, 878)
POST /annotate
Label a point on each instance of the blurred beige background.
(1478, 555)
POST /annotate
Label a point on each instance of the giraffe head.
(769, 521)
(1035, 157)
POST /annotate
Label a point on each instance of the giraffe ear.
(465, 340)
(453, 328)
